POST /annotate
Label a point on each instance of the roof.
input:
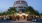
(20, 0)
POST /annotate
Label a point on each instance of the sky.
(5, 4)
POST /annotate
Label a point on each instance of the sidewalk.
(21, 20)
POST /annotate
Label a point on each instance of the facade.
(20, 5)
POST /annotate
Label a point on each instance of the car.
(35, 19)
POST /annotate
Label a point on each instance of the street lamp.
(28, 12)
(13, 13)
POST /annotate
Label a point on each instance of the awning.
(21, 14)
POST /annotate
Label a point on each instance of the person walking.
(10, 17)
(18, 18)
(27, 18)
(24, 17)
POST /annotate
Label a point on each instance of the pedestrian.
(18, 18)
(27, 18)
(10, 17)
(24, 17)
(14, 18)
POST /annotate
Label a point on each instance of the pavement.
(21, 20)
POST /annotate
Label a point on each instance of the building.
(20, 5)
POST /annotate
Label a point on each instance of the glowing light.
(36, 16)
(0, 16)
(26, 14)
(20, 14)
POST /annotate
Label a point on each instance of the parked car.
(40, 20)
(35, 19)
(29, 19)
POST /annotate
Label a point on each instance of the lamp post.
(28, 13)
(13, 13)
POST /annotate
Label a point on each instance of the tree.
(41, 14)
(31, 10)
(37, 13)
(12, 10)
(0, 14)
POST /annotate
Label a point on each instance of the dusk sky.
(36, 4)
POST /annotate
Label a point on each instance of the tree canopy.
(13, 10)
(31, 10)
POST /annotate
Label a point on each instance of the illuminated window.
(23, 2)
(17, 2)
(20, 7)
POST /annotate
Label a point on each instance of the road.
(20, 21)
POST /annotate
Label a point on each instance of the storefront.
(22, 15)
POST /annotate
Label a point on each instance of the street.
(20, 21)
